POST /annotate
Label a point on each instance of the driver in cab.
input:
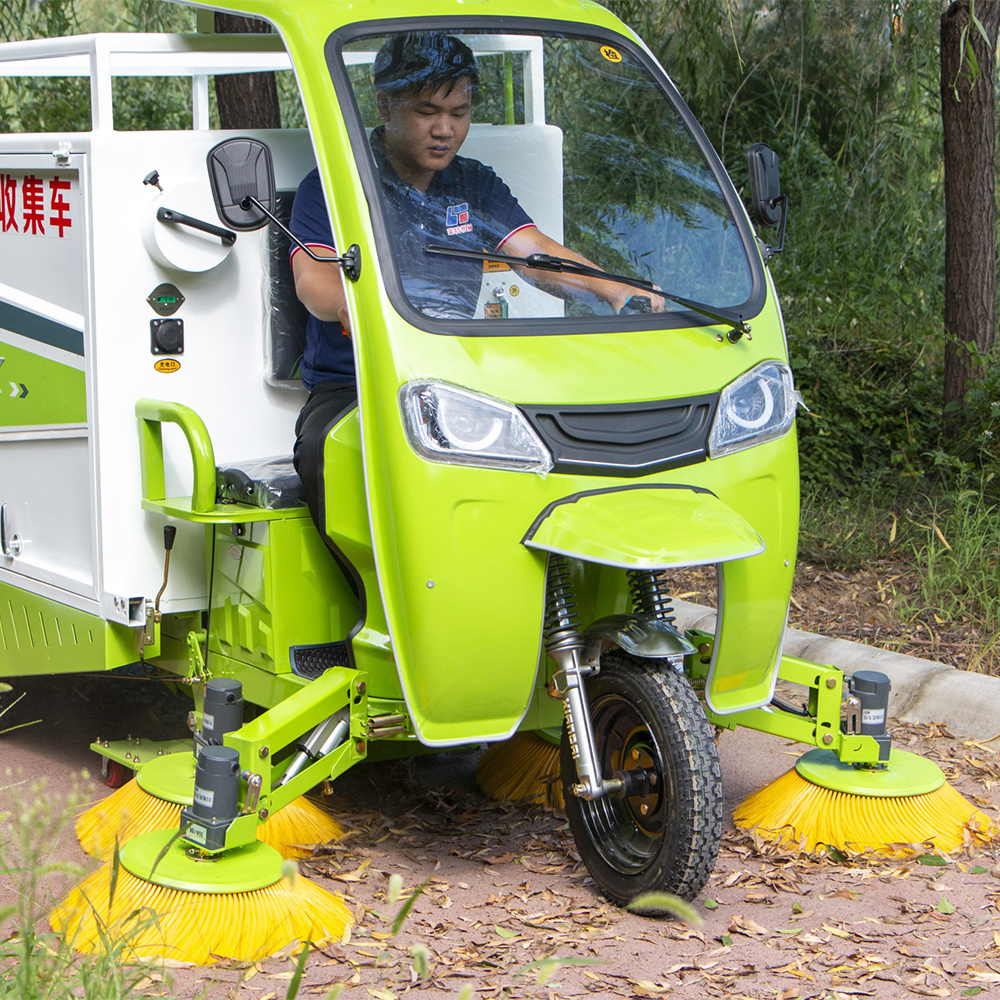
(425, 85)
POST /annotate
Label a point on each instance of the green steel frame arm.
(819, 727)
(290, 721)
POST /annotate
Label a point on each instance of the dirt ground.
(508, 910)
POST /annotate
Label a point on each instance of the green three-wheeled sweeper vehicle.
(524, 463)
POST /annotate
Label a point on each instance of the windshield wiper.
(738, 327)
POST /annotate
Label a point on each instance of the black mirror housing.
(239, 169)
(765, 185)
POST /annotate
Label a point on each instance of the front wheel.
(664, 836)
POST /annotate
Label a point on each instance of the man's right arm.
(320, 287)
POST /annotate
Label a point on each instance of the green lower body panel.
(40, 636)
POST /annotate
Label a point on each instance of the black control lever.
(169, 534)
(168, 215)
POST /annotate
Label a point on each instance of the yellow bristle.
(130, 811)
(794, 812)
(148, 921)
(297, 828)
(525, 767)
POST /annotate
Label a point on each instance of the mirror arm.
(783, 201)
(350, 260)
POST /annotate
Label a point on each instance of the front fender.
(654, 526)
(639, 635)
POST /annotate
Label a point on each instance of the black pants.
(327, 404)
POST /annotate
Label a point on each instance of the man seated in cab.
(425, 86)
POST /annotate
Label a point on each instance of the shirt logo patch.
(457, 219)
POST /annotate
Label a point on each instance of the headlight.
(447, 424)
(759, 406)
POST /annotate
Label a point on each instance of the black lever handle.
(168, 215)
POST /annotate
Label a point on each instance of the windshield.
(526, 144)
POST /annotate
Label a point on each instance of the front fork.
(568, 685)
(578, 656)
(565, 644)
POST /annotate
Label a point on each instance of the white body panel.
(73, 493)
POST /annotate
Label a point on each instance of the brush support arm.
(818, 726)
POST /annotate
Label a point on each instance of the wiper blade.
(546, 262)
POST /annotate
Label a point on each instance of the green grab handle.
(152, 414)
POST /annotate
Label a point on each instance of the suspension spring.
(649, 595)
(562, 623)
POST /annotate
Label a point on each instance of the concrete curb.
(922, 690)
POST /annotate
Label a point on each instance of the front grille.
(625, 439)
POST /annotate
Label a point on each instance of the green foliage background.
(846, 92)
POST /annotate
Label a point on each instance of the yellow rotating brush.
(905, 807)
(153, 799)
(523, 768)
(204, 891)
(161, 903)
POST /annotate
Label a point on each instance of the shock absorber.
(564, 643)
(562, 623)
(649, 595)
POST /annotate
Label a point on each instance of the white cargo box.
(82, 262)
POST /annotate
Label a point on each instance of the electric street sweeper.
(525, 460)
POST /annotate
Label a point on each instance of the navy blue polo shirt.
(466, 206)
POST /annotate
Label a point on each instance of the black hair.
(416, 61)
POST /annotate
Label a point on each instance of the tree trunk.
(246, 100)
(967, 114)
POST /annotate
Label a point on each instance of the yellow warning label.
(612, 55)
(167, 365)
(494, 265)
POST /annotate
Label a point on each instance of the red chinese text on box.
(26, 214)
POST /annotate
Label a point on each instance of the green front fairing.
(463, 598)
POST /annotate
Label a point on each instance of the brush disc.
(826, 803)
(523, 768)
(153, 799)
(239, 907)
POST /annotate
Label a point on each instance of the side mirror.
(768, 205)
(240, 170)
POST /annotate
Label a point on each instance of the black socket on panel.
(166, 336)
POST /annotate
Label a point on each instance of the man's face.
(424, 131)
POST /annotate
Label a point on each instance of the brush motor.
(223, 710)
(870, 692)
(216, 798)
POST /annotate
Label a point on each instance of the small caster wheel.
(117, 774)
